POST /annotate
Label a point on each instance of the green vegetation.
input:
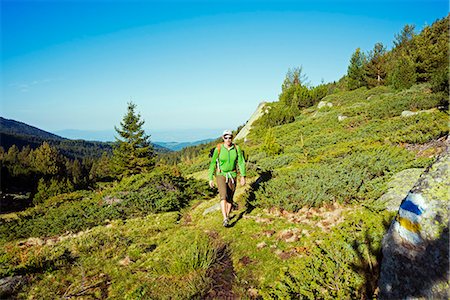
(133, 154)
(309, 224)
(134, 196)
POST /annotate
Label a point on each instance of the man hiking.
(226, 157)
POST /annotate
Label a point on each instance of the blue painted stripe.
(411, 206)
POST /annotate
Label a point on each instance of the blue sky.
(192, 68)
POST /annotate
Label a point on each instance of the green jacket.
(228, 159)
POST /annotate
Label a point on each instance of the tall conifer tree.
(355, 71)
(375, 69)
(133, 152)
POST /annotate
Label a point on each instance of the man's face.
(227, 139)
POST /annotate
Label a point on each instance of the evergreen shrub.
(134, 196)
(357, 176)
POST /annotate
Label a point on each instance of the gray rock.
(407, 113)
(399, 185)
(342, 118)
(323, 104)
(415, 249)
(260, 110)
(10, 285)
(211, 209)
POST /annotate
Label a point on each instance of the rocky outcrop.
(9, 286)
(416, 247)
(407, 113)
(324, 104)
(255, 116)
(399, 186)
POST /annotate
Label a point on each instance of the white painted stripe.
(409, 215)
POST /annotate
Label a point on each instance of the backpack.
(211, 152)
(218, 147)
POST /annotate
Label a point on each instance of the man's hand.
(242, 181)
(211, 183)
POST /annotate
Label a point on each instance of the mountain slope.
(309, 225)
(12, 127)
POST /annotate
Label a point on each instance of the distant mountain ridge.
(13, 127)
(17, 133)
(175, 146)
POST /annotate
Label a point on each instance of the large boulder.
(416, 247)
(255, 116)
(400, 184)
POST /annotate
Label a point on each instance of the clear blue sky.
(192, 68)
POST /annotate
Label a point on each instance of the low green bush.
(134, 196)
(53, 187)
(356, 176)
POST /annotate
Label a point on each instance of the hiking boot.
(225, 222)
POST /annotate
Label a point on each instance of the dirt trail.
(222, 275)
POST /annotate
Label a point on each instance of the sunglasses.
(227, 137)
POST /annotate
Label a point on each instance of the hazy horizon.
(164, 136)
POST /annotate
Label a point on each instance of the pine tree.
(355, 71)
(431, 53)
(47, 160)
(294, 77)
(375, 69)
(133, 152)
(404, 39)
(403, 74)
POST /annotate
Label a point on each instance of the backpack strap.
(217, 159)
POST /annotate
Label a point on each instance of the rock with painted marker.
(415, 250)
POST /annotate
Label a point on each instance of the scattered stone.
(126, 261)
(211, 209)
(261, 245)
(407, 113)
(31, 242)
(111, 200)
(305, 232)
(323, 104)
(293, 238)
(342, 118)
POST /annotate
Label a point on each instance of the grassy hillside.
(309, 224)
